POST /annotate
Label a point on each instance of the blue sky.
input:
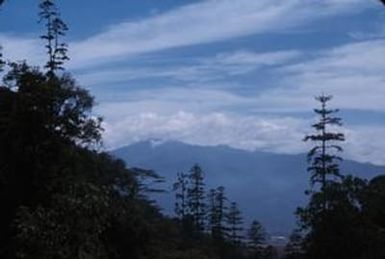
(241, 73)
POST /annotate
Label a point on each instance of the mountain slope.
(267, 186)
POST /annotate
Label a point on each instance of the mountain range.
(267, 186)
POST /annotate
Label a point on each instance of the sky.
(242, 73)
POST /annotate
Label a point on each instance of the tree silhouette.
(234, 224)
(181, 191)
(2, 62)
(217, 212)
(56, 28)
(335, 221)
(196, 197)
(293, 249)
(45, 121)
(322, 157)
(256, 236)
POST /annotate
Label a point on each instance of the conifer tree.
(323, 158)
(334, 206)
(256, 234)
(217, 212)
(196, 197)
(56, 28)
(1, 60)
(293, 249)
(234, 223)
(181, 190)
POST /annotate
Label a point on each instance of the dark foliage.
(342, 218)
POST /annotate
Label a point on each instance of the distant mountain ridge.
(267, 186)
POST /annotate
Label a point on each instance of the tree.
(322, 157)
(196, 197)
(256, 238)
(56, 28)
(216, 213)
(44, 121)
(55, 204)
(181, 191)
(2, 62)
(234, 224)
(293, 249)
(373, 201)
(329, 233)
(146, 184)
(335, 207)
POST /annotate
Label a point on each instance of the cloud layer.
(249, 132)
(271, 134)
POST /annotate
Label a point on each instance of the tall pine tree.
(196, 197)
(323, 157)
(181, 191)
(234, 224)
(216, 212)
(256, 234)
(2, 62)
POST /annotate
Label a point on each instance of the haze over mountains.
(268, 187)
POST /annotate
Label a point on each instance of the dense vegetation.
(63, 198)
(344, 217)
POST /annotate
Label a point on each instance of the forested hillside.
(267, 186)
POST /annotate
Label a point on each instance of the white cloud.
(278, 135)
(281, 135)
(197, 23)
(365, 144)
(198, 70)
(353, 73)
(16, 48)
(205, 22)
